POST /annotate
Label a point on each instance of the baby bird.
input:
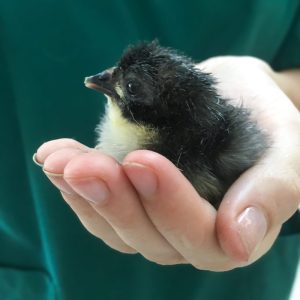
(158, 100)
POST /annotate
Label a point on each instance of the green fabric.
(19, 284)
(46, 49)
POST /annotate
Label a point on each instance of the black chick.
(158, 100)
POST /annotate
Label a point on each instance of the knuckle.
(125, 221)
(171, 258)
(217, 266)
(115, 243)
(106, 235)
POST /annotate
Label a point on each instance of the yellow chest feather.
(118, 136)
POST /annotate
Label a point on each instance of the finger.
(185, 219)
(51, 146)
(254, 209)
(101, 180)
(54, 165)
(95, 224)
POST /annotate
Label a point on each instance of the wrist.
(289, 83)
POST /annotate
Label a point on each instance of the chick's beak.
(101, 82)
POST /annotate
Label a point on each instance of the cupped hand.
(146, 205)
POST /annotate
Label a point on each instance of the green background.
(47, 47)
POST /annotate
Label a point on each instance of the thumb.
(254, 209)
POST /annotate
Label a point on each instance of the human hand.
(146, 205)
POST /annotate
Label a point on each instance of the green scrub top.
(47, 48)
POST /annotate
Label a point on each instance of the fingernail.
(92, 189)
(34, 158)
(252, 228)
(142, 177)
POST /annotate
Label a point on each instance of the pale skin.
(145, 205)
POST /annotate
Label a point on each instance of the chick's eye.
(132, 88)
